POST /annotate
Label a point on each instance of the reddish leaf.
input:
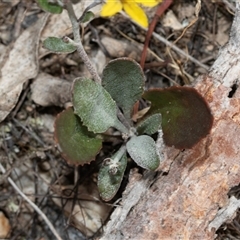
(186, 117)
(78, 145)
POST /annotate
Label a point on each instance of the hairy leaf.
(55, 44)
(94, 105)
(108, 184)
(142, 150)
(123, 78)
(87, 17)
(150, 124)
(77, 144)
(49, 7)
(186, 117)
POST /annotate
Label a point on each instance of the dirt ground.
(35, 86)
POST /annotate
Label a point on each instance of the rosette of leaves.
(96, 108)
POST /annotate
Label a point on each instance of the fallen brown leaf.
(51, 91)
(21, 65)
(4, 226)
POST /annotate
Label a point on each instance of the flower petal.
(110, 8)
(149, 3)
(136, 13)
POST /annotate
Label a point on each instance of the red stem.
(160, 10)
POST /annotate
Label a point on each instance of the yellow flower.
(131, 7)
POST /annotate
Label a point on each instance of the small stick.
(178, 50)
(33, 205)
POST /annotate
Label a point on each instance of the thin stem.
(33, 205)
(174, 47)
(160, 10)
(120, 127)
(123, 120)
(77, 39)
(178, 50)
(92, 5)
(120, 153)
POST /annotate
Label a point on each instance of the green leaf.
(78, 145)
(123, 78)
(87, 16)
(94, 105)
(49, 7)
(142, 150)
(108, 184)
(149, 125)
(186, 117)
(55, 44)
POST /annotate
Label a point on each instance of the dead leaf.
(89, 212)
(6, 7)
(21, 65)
(117, 48)
(50, 91)
(4, 226)
(222, 36)
(186, 11)
(99, 60)
(140, 114)
(170, 20)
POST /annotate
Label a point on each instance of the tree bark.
(183, 203)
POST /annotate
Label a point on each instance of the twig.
(98, 41)
(78, 43)
(137, 43)
(31, 133)
(20, 102)
(166, 76)
(171, 45)
(197, 10)
(230, 6)
(33, 205)
(178, 50)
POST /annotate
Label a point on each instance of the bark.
(184, 202)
